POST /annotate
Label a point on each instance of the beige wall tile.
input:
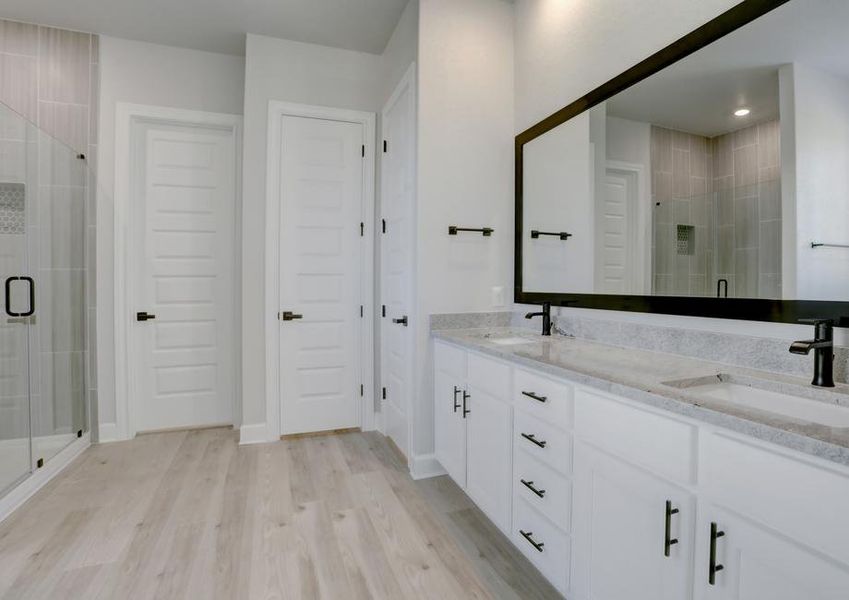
(19, 84)
(64, 59)
(18, 38)
(68, 123)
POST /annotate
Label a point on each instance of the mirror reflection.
(726, 174)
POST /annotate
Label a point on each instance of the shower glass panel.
(44, 259)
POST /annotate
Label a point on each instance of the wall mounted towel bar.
(486, 231)
(561, 234)
(822, 244)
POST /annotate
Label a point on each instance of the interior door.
(620, 531)
(321, 194)
(757, 563)
(14, 324)
(619, 260)
(185, 190)
(396, 257)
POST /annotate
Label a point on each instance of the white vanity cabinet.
(612, 499)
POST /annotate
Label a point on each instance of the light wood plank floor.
(194, 515)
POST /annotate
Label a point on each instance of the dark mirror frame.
(749, 309)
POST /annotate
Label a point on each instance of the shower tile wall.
(50, 76)
(725, 191)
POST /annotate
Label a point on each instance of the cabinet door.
(759, 564)
(489, 429)
(450, 426)
(620, 532)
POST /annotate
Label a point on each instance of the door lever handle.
(401, 321)
(143, 316)
(288, 315)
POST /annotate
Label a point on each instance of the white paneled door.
(183, 222)
(396, 258)
(321, 284)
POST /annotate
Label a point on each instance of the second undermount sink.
(745, 394)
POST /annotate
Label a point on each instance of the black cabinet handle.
(143, 316)
(31, 310)
(530, 486)
(466, 396)
(714, 568)
(668, 540)
(401, 321)
(529, 535)
(532, 438)
(534, 396)
(456, 404)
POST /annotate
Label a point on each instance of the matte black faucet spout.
(823, 347)
(546, 317)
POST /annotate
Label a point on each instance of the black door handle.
(31, 310)
(401, 321)
(456, 404)
(288, 315)
(143, 316)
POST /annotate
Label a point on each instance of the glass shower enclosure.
(46, 251)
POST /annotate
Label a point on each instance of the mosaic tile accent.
(12, 208)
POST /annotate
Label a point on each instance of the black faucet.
(546, 317)
(823, 347)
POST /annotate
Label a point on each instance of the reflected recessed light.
(741, 112)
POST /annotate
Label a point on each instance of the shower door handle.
(8, 304)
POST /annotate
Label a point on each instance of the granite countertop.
(644, 376)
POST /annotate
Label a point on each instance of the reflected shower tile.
(680, 173)
(681, 140)
(769, 285)
(62, 310)
(746, 272)
(68, 123)
(13, 161)
(770, 247)
(745, 137)
(746, 222)
(19, 84)
(725, 251)
(681, 212)
(63, 64)
(58, 164)
(18, 38)
(63, 230)
(662, 185)
(723, 157)
(769, 200)
(769, 144)
(745, 166)
(697, 285)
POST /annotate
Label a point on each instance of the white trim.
(107, 432)
(276, 111)
(125, 115)
(408, 80)
(424, 466)
(253, 434)
(39, 478)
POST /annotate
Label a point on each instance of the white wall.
(278, 69)
(465, 170)
(821, 103)
(566, 49)
(143, 73)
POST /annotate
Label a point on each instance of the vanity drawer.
(551, 493)
(489, 375)
(540, 439)
(661, 444)
(545, 545)
(804, 500)
(546, 398)
(449, 359)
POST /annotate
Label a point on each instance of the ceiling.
(220, 25)
(700, 93)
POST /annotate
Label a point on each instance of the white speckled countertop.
(640, 375)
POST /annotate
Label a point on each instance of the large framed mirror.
(711, 179)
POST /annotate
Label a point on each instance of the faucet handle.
(817, 321)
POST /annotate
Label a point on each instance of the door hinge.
(362, 389)
(362, 229)
(383, 393)
(385, 145)
(383, 225)
(363, 147)
(383, 310)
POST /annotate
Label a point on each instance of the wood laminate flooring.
(194, 515)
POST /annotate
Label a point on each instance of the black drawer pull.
(532, 438)
(456, 404)
(714, 568)
(668, 540)
(534, 396)
(529, 535)
(530, 486)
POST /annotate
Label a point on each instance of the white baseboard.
(108, 432)
(17, 496)
(253, 434)
(423, 466)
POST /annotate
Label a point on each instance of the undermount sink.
(746, 395)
